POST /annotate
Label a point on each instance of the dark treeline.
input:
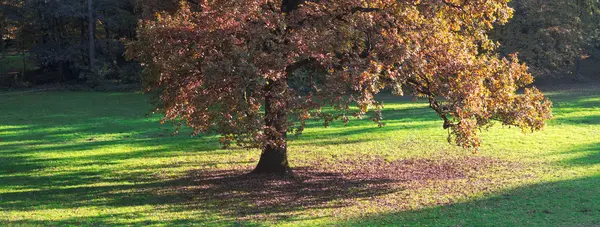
(63, 41)
(56, 36)
(556, 38)
(53, 41)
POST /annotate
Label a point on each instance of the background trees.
(552, 36)
(57, 34)
(233, 67)
(555, 37)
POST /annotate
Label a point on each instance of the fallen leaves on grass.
(324, 186)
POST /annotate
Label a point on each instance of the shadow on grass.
(230, 193)
(30, 183)
(37, 144)
(582, 120)
(589, 154)
(563, 203)
(107, 220)
(575, 101)
(249, 196)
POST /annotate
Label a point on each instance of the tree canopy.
(253, 71)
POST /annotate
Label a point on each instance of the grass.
(96, 159)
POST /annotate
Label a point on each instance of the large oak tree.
(256, 70)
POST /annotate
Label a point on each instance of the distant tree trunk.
(273, 159)
(91, 23)
(1, 44)
(577, 69)
(23, 56)
(82, 31)
(107, 32)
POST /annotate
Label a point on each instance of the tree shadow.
(124, 220)
(582, 120)
(32, 184)
(588, 154)
(248, 196)
(566, 102)
(232, 194)
(563, 203)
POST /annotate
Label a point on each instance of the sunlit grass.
(83, 158)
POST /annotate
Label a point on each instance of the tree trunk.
(91, 25)
(82, 32)
(24, 57)
(273, 159)
(1, 44)
(577, 69)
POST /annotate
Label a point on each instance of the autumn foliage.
(255, 70)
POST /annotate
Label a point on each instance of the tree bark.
(273, 159)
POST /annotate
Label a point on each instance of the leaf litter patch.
(369, 183)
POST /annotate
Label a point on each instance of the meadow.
(99, 159)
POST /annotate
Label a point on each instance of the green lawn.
(97, 159)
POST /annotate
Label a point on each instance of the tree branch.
(448, 3)
(433, 103)
(365, 10)
(299, 64)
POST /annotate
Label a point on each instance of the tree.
(254, 71)
(552, 36)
